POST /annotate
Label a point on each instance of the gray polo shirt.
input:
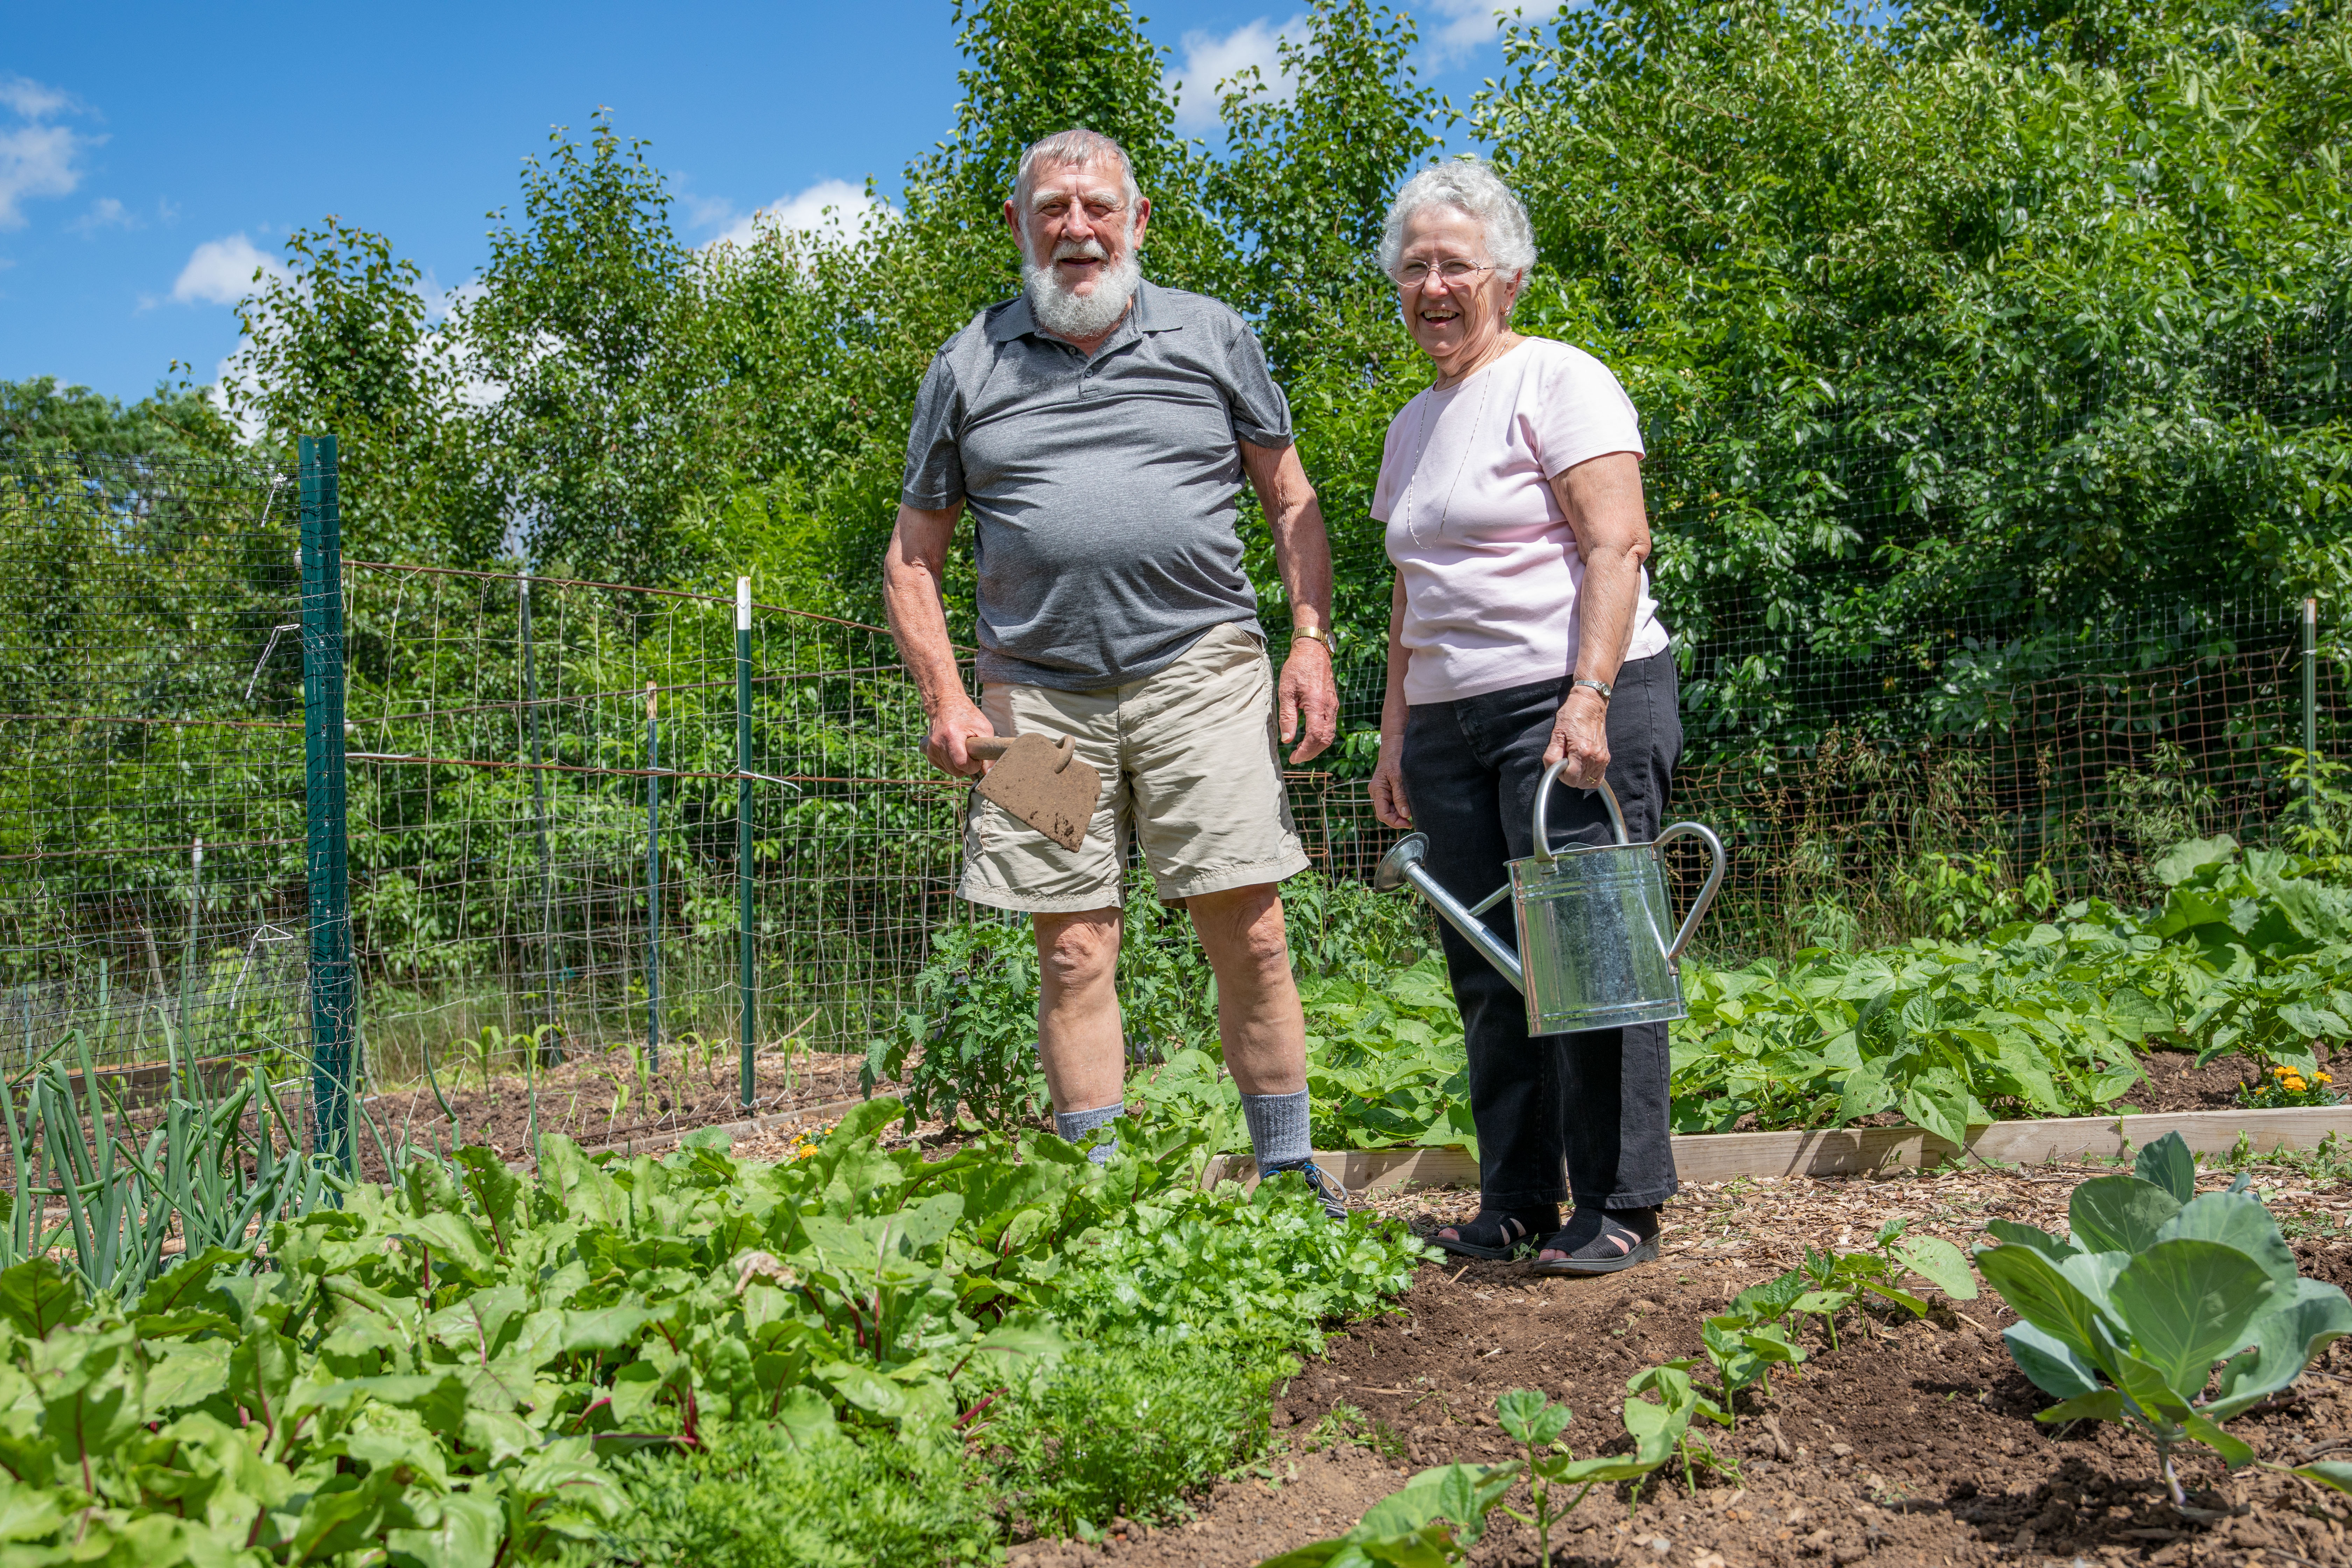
(1102, 490)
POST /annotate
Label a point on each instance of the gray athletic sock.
(1277, 1129)
(1075, 1125)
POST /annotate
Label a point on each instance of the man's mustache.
(1081, 250)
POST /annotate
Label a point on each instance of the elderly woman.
(1521, 630)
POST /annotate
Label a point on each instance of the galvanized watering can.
(1591, 921)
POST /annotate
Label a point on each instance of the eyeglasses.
(1455, 273)
(1098, 209)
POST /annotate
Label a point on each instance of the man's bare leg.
(1259, 1016)
(1081, 1040)
(1263, 1027)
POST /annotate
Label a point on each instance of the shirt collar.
(1150, 312)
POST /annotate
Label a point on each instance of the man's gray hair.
(1471, 185)
(1076, 145)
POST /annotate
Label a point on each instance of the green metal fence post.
(553, 1050)
(745, 955)
(334, 993)
(653, 881)
(2311, 707)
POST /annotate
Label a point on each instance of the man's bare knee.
(1077, 951)
(1244, 925)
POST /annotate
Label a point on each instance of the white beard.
(1074, 316)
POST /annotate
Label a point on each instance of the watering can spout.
(1402, 865)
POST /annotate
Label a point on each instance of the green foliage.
(222, 1161)
(2125, 1320)
(1416, 1526)
(1941, 262)
(1440, 1512)
(172, 422)
(2248, 953)
(967, 1043)
(440, 1369)
(1128, 1423)
(787, 1495)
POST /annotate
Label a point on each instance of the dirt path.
(1914, 1443)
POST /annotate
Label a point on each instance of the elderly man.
(1098, 427)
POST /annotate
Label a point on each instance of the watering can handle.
(1705, 836)
(1543, 796)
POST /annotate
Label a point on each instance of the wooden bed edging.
(1853, 1150)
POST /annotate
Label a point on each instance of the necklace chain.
(1427, 430)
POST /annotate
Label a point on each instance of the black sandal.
(1602, 1246)
(1495, 1233)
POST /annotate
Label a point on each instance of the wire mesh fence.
(569, 801)
(152, 806)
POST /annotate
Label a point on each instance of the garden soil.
(1912, 1443)
(598, 1101)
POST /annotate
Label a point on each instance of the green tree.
(341, 341)
(594, 436)
(40, 416)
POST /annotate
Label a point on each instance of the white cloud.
(1468, 26)
(804, 213)
(37, 160)
(32, 100)
(1210, 59)
(105, 212)
(220, 271)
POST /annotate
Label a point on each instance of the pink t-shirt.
(1489, 564)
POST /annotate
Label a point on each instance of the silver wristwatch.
(1602, 686)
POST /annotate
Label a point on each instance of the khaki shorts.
(1187, 755)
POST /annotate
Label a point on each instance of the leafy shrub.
(1127, 1424)
(761, 1496)
(969, 1041)
(2124, 1321)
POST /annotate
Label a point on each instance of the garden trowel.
(1041, 782)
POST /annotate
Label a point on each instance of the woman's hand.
(1388, 802)
(1580, 733)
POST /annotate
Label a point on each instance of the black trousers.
(1594, 1103)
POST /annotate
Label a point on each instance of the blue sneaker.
(1322, 1183)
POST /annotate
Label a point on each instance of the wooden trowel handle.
(989, 747)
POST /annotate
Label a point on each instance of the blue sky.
(151, 155)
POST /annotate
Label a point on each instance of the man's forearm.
(911, 597)
(1302, 554)
(919, 626)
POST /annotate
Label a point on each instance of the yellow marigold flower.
(2294, 1086)
(2324, 1077)
(2278, 1072)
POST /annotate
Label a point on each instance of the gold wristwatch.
(1312, 634)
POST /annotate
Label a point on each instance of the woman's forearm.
(1605, 605)
(1392, 699)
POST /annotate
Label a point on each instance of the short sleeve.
(1391, 476)
(934, 480)
(1261, 414)
(1580, 412)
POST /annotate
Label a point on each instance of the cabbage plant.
(2166, 1311)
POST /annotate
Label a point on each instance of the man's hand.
(1389, 801)
(1309, 691)
(955, 721)
(1580, 733)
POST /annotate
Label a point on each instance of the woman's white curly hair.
(1471, 185)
